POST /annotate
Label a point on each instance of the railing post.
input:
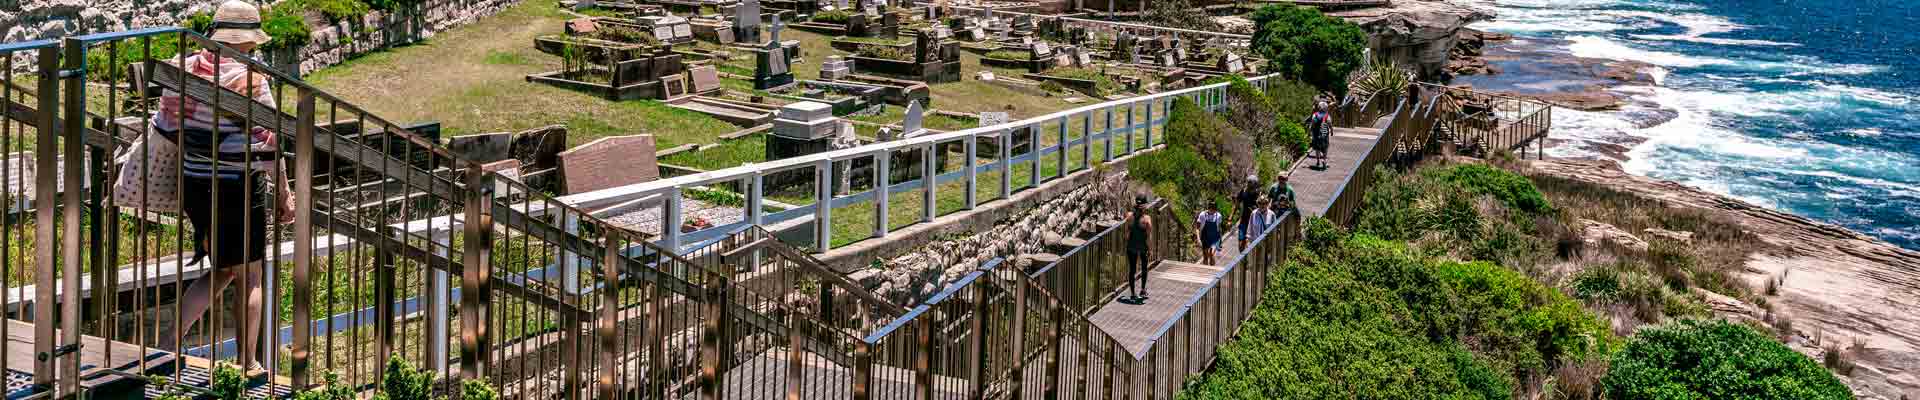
(1086, 139)
(1006, 164)
(670, 219)
(929, 180)
(923, 364)
(302, 351)
(1130, 126)
(657, 381)
(1019, 333)
(1107, 390)
(1033, 149)
(1150, 121)
(610, 349)
(1060, 148)
(756, 209)
(823, 205)
(862, 370)
(475, 273)
(43, 188)
(883, 190)
(972, 173)
(75, 101)
(795, 361)
(1054, 351)
(570, 325)
(713, 332)
(977, 365)
(383, 298)
(1107, 131)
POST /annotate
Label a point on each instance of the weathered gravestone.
(1232, 63)
(706, 79)
(916, 116)
(773, 69)
(992, 118)
(746, 21)
(836, 67)
(609, 163)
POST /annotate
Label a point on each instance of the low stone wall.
(48, 19)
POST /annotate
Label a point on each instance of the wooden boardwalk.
(1172, 283)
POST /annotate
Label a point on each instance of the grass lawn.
(472, 80)
(728, 154)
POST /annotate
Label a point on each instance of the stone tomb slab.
(609, 163)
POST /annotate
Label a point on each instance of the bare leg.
(249, 335)
(199, 297)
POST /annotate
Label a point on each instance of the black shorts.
(240, 235)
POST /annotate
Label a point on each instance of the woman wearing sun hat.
(227, 168)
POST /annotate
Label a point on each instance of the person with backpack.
(1320, 129)
(1207, 227)
(1282, 195)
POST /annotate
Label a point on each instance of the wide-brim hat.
(237, 21)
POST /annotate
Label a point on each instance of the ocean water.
(1805, 106)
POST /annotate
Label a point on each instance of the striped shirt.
(193, 122)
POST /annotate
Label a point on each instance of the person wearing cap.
(1139, 238)
(1243, 204)
(228, 168)
(1320, 129)
(1282, 195)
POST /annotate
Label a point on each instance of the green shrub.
(477, 389)
(403, 382)
(228, 382)
(394, 5)
(352, 11)
(1404, 326)
(1290, 136)
(1009, 55)
(1203, 162)
(332, 391)
(836, 17)
(286, 22)
(1508, 187)
(1302, 43)
(168, 390)
(1693, 359)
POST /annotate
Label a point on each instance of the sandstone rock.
(1683, 237)
(1417, 34)
(1596, 235)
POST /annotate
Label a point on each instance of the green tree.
(1693, 359)
(1301, 42)
(1204, 160)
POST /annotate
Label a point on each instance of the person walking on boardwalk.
(1263, 219)
(1282, 195)
(1320, 128)
(1243, 207)
(1207, 227)
(1139, 236)
(232, 175)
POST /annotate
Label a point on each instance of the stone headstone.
(806, 120)
(915, 117)
(977, 33)
(840, 4)
(985, 76)
(706, 78)
(1042, 51)
(775, 29)
(1232, 63)
(746, 21)
(1134, 56)
(1081, 58)
(582, 26)
(942, 32)
(1180, 53)
(836, 67)
(609, 163)
(485, 147)
(992, 118)
(1167, 60)
(885, 134)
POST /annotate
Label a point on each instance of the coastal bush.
(1407, 326)
(1508, 187)
(333, 390)
(286, 22)
(1303, 43)
(1202, 162)
(1478, 213)
(228, 382)
(477, 389)
(1690, 359)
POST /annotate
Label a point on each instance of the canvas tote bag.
(154, 187)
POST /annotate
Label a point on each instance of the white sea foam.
(1603, 48)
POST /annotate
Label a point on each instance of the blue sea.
(1809, 107)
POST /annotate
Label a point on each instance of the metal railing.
(1055, 146)
(1483, 122)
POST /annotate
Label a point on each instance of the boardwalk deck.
(1316, 187)
(1171, 283)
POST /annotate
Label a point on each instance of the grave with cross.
(773, 66)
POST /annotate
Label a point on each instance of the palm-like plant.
(1381, 78)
